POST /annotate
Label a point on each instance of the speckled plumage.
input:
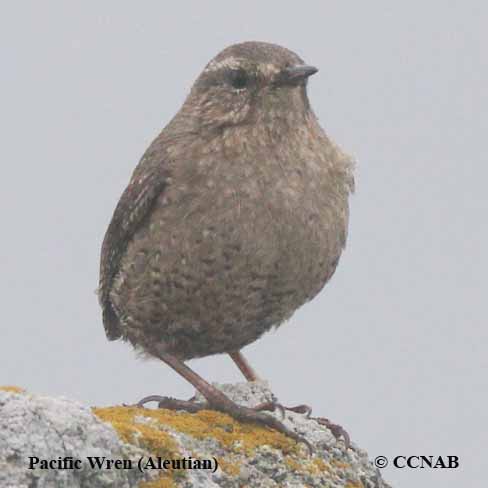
(235, 216)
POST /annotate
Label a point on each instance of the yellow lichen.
(316, 466)
(159, 483)
(146, 435)
(151, 435)
(320, 465)
(12, 389)
(313, 466)
(229, 432)
(339, 464)
(293, 464)
(229, 467)
(354, 484)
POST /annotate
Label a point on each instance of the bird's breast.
(265, 218)
(237, 244)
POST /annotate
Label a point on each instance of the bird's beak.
(295, 74)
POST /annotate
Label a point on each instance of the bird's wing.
(147, 183)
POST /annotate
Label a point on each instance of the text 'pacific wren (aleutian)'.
(235, 216)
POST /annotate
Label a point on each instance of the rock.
(50, 429)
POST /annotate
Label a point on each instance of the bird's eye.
(238, 79)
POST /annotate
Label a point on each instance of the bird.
(235, 216)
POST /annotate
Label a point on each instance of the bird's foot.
(169, 403)
(227, 406)
(273, 405)
(337, 430)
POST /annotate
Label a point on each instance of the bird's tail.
(111, 323)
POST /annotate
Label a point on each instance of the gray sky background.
(394, 348)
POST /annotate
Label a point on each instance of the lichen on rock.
(248, 455)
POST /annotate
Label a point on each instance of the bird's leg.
(243, 364)
(216, 400)
(248, 371)
(250, 375)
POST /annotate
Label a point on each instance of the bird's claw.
(255, 415)
(337, 430)
(237, 412)
(305, 409)
(251, 415)
(271, 406)
(169, 403)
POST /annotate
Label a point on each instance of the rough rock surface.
(247, 455)
(50, 428)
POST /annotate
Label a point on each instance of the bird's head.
(249, 83)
